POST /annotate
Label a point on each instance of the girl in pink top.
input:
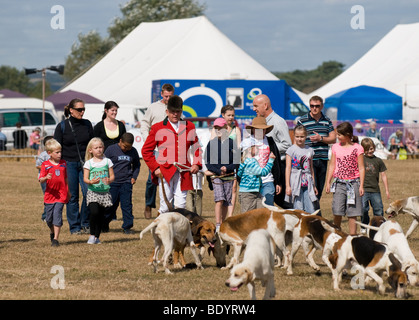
(347, 170)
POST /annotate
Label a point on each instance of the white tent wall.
(176, 49)
(392, 64)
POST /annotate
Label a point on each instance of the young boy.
(374, 167)
(54, 173)
(43, 156)
(220, 161)
(126, 166)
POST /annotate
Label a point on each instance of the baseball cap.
(220, 122)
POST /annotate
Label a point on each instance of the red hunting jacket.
(172, 147)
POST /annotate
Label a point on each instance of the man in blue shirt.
(320, 133)
(126, 169)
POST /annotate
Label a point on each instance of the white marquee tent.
(392, 64)
(176, 49)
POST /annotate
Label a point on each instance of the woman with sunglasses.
(74, 134)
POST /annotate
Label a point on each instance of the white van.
(27, 111)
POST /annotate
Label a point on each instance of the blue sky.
(283, 35)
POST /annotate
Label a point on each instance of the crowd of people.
(262, 164)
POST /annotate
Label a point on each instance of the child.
(250, 174)
(126, 167)
(220, 161)
(98, 175)
(373, 168)
(234, 133)
(274, 181)
(43, 156)
(35, 138)
(54, 173)
(347, 170)
(299, 175)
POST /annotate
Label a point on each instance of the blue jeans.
(303, 201)
(373, 198)
(76, 217)
(150, 192)
(121, 194)
(268, 191)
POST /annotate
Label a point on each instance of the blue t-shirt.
(126, 165)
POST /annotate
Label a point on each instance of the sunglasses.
(315, 105)
(80, 109)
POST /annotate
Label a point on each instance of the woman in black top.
(109, 129)
(74, 134)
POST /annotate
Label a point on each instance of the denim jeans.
(268, 191)
(77, 217)
(121, 194)
(303, 201)
(150, 192)
(373, 198)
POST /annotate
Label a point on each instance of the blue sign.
(205, 98)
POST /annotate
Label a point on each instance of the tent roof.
(393, 64)
(176, 49)
(61, 99)
(6, 93)
(365, 93)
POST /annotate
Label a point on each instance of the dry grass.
(118, 268)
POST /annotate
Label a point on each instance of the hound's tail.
(367, 226)
(152, 225)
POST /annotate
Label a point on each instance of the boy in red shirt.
(54, 173)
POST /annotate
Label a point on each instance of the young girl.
(98, 175)
(234, 133)
(299, 174)
(347, 170)
(250, 174)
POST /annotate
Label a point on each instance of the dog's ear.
(249, 275)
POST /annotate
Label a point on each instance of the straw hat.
(259, 123)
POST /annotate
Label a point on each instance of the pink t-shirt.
(347, 161)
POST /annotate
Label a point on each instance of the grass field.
(117, 269)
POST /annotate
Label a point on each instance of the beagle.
(391, 233)
(257, 264)
(408, 205)
(370, 257)
(171, 230)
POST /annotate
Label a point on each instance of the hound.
(170, 229)
(408, 205)
(257, 264)
(235, 230)
(391, 233)
(370, 257)
(203, 232)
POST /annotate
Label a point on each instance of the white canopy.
(392, 64)
(177, 49)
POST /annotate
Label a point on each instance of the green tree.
(92, 47)
(85, 52)
(309, 80)
(13, 79)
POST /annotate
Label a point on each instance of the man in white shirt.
(156, 112)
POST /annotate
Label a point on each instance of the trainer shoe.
(54, 243)
(97, 241)
(92, 240)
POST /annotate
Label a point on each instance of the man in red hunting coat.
(174, 139)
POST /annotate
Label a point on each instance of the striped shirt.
(323, 127)
(250, 173)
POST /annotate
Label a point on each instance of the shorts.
(54, 214)
(339, 205)
(223, 191)
(250, 201)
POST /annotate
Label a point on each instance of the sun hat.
(249, 142)
(259, 123)
(220, 122)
